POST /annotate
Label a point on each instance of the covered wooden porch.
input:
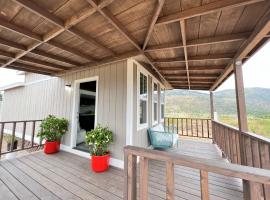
(67, 176)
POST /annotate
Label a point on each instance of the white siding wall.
(37, 100)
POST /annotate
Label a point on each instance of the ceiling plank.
(157, 11)
(36, 52)
(215, 6)
(43, 63)
(28, 70)
(196, 58)
(118, 26)
(31, 67)
(193, 68)
(184, 40)
(45, 38)
(261, 30)
(203, 41)
(71, 50)
(30, 5)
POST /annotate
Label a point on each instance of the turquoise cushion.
(163, 140)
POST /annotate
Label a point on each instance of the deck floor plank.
(67, 176)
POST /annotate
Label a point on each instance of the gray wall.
(39, 98)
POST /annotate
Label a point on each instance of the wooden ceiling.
(188, 44)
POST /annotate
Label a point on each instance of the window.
(143, 97)
(162, 103)
(155, 103)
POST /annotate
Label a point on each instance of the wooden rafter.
(184, 40)
(261, 30)
(36, 52)
(64, 25)
(157, 11)
(204, 9)
(192, 77)
(197, 68)
(118, 26)
(50, 35)
(202, 41)
(196, 58)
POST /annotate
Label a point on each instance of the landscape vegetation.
(194, 104)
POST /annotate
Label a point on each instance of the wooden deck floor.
(67, 176)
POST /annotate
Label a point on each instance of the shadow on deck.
(67, 176)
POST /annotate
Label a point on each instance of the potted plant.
(8, 139)
(99, 139)
(52, 129)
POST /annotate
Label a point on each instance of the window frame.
(154, 82)
(162, 119)
(143, 125)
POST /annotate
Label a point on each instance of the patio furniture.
(160, 139)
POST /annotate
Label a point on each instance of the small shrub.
(53, 128)
(99, 138)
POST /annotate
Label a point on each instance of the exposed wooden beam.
(50, 35)
(202, 41)
(103, 62)
(70, 50)
(118, 26)
(196, 58)
(184, 40)
(157, 11)
(43, 63)
(30, 5)
(37, 52)
(115, 23)
(192, 77)
(28, 70)
(260, 31)
(192, 68)
(31, 67)
(7, 54)
(197, 82)
(54, 57)
(215, 6)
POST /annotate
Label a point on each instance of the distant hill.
(197, 103)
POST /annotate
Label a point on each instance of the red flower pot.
(100, 163)
(51, 147)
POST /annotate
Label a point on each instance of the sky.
(256, 72)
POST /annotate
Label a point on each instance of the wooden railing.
(21, 136)
(256, 176)
(243, 148)
(192, 127)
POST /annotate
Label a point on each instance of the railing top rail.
(209, 165)
(188, 118)
(249, 134)
(20, 121)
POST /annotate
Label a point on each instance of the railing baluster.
(202, 129)
(204, 185)
(186, 127)
(130, 162)
(23, 134)
(197, 128)
(143, 178)
(13, 136)
(182, 126)
(170, 180)
(1, 137)
(177, 126)
(208, 128)
(191, 126)
(33, 133)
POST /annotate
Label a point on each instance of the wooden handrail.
(244, 148)
(205, 166)
(191, 127)
(14, 128)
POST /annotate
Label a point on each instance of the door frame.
(76, 98)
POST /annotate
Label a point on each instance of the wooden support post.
(143, 178)
(212, 105)
(242, 117)
(130, 162)
(204, 185)
(170, 181)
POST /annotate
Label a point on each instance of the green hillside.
(182, 103)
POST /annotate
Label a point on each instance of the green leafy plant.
(53, 128)
(99, 138)
(8, 138)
